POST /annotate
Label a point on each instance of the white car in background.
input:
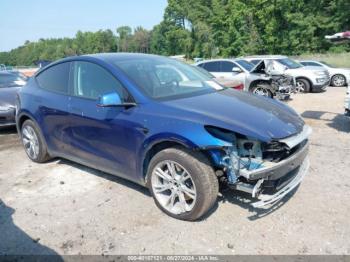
(339, 76)
(308, 79)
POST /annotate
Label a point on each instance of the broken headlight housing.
(244, 154)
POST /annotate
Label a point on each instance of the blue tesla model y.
(165, 125)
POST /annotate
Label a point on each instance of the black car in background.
(10, 83)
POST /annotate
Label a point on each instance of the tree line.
(209, 28)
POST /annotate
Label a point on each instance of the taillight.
(239, 87)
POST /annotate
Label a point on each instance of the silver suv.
(308, 79)
(254, 79)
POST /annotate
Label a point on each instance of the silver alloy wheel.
(30, 142)
(173, 187)
(338, 80)
(300, 86)
(261, 91)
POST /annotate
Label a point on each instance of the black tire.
(335, 79)
(202, 174)
(304, 84)
(264, 87)
(42, 155)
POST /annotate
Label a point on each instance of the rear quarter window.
(55, 78)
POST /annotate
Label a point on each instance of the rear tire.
(33, 142)
(182, 183)
(303, 86)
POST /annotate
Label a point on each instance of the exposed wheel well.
(256, 82)
(154, 150)
(21, 121)
(306, 79)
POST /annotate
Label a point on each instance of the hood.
(254, 116)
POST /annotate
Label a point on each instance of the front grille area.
(277, 151)
(270, 187)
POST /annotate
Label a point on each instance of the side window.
(212, 66)
(91, 81)
(255, 61)
(314, 64)
(227, 66)
(55, 78)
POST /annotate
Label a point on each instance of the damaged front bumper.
(247, 169)
(266, 199)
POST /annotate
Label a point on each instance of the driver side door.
(100, 137)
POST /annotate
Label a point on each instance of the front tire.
(303, 86)
(262, 90)
(183, 183)
(33, 142)
(338, 80)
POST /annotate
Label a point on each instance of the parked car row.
(272, 75)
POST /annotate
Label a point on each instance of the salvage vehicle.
(339, 76)
(256, 82)
(230, 83)
(10, 83)
(120, 113)
(308, 79)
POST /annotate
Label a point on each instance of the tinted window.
(246, 65)
(314, 64)
(255, 61)
(91, 81)
(55, 78)
(291, 64)
(227, 66)
(212, 66)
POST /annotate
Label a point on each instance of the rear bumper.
(7, 118)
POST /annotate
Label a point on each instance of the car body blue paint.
(117, 139)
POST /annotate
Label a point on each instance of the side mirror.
(112, 100)
(236, 70)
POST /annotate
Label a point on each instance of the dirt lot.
(61, 207)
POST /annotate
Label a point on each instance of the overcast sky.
(35, 19)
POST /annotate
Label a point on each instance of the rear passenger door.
(52, 102)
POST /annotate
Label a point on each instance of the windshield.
(291, 64)
(245, 64)
(163, 78)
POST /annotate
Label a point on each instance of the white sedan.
(339, 76)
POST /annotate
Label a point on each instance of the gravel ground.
(64, 208)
